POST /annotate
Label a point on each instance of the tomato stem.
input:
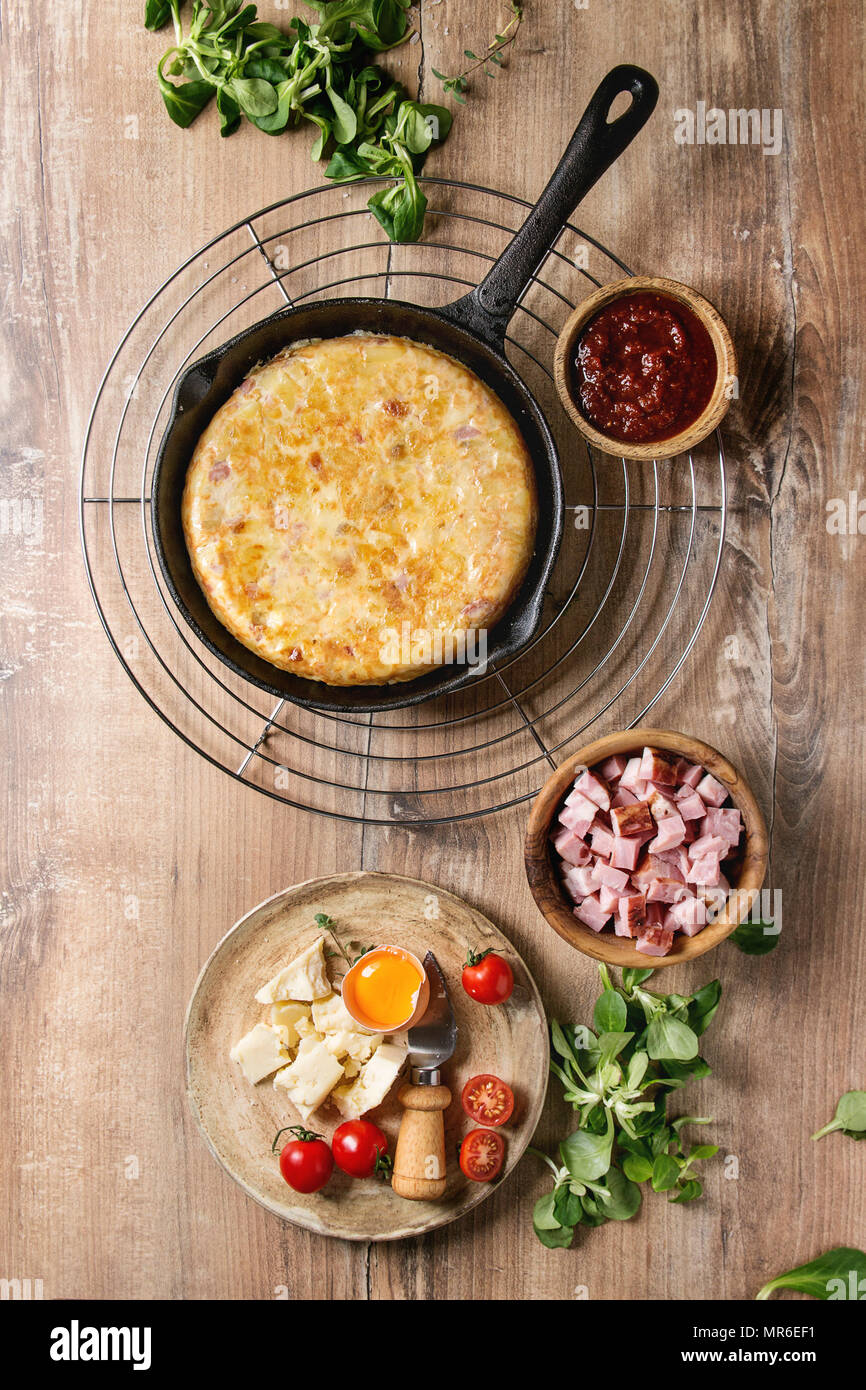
(384, 1168)
(473, 957)
(306, 1136)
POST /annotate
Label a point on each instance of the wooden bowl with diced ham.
(645, 848)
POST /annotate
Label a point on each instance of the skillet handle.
(593, 147)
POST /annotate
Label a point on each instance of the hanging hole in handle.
(622, 103)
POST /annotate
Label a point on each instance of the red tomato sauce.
(644, 369)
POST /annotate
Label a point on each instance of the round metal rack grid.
(631, 588)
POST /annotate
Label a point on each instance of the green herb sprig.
(487, 63)
(618, 1076)
(838, 1274)
(755, 938)
(320, 73)
(850, 1117)
(327, 924)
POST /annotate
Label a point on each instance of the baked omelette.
(351, 487)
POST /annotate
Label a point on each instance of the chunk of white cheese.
(310, 1078)
(288, 1015)
(374, 1082)
(358, 1046)
(304, 978)
(260, 1052)
(344, 1098)
(339, 1031)
(337, 1043)
(331, 1016)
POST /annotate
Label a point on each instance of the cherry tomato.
(306, 1162)
(360, 1149)
(481, 1154)
(487, 1100)
(487, 977)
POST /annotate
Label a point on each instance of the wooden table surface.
(127, 856)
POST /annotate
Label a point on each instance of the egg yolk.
(385, 988)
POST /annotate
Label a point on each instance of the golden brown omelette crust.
(351, 486)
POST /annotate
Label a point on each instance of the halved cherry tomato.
(487, 1100)
(306, 1162)
(361, 1149)
(481, 1154)
(487, 977)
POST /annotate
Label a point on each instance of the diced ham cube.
(591, 913)
(575, 873)
(626, 852)
(578, 817)
(671, 833)
(657, 766)
(594, 789)
(571, 819)
(614, 878)
(612, 768)
(708, 844)
(661, 806)
(704, 871)
(566, 870)
(727, 823)
(580, 799)
(689, 915)
(678, 861)
(630, 779)
(631, 912)
(609, 898)
(714, 899)
(650, 866)
(662, 788)
(602, 842)
(581, 855)
(582, 880)
(656, 866)
(711, 792)
(655, 941)
(689, 774)
(655, 915)
(632, 820)
(623, 797)
(690, 806)
(665, 890)
(570, 848)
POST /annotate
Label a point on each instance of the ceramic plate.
(239, 1121)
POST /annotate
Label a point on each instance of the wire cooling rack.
(630, 592)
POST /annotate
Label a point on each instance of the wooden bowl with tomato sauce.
(706, 338)
(746, 871)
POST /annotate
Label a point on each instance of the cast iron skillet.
(472, 330)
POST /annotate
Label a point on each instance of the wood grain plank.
(127, 857)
